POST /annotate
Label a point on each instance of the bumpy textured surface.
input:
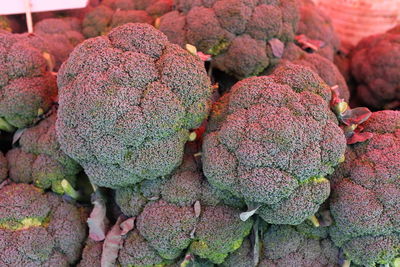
(235, 32)
(316, 25)
(61, 36)
(39, 159)
(114, 13)
(273, 143)
(320, 65)
(127, 102)
(167, 224)
(366, 194)
(3, 167)
(27, 89)
(375, 63)
(91, 255)
(38, 229)
(285, 245)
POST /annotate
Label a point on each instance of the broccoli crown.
(27, 89)
(320, 65)
(365, 194)
(114, 13)
(242, 257)
(3, 167)
(374, 65)
(285, 245)
(316, 25)
(235, 32)
(274, 143)
(61, 36)
(38, 229)
(40, 160)
(167, 223)
(127, 102)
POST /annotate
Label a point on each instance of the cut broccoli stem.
(186, 260)
(314, 220)
(346, 263)
(69, 190)
(5, 126)
(396, 262)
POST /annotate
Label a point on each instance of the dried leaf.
(193, 232)
(17, 135)
(127, 225)
(355, 116)
(197, 209)
(335, 99)
(244, 216)
(204, 57)
(307, 43)
(112, 245)
(191, 49)
(98, 221)
(277, 47)
(359, 137)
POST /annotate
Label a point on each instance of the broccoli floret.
(137, 252)
(374, 65)
(114, 13)
(91, 255)
(243, 257)
(27, 89)
(366, 192)
(38, 229)
(320, 65)
(316, 25)
(284, 245)
(127, 103)
(3, 167)
(235, 32)
(39, 159)
(219, 232)
(61, 36)
(274, 145)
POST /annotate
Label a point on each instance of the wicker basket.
(355, 19)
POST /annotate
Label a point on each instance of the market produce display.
(197, 133)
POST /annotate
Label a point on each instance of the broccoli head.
(114, 13)
(39, 159)
(170, 222)
(3, 167)
(38, 229)
(126, 104)
(27, 89)
(320, 65)
(365, 194)
(375, 62)
(274, 143)
(285, 245)
(237, 33)
(316, 25)
(61, 36)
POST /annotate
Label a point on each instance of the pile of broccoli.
(27, 88)
(140, 153)
(61, 36)
(240, 35)
(38, 229)
(365, 195)
(127, 102)
(38, 159)
(114, 13)
(374, 64)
